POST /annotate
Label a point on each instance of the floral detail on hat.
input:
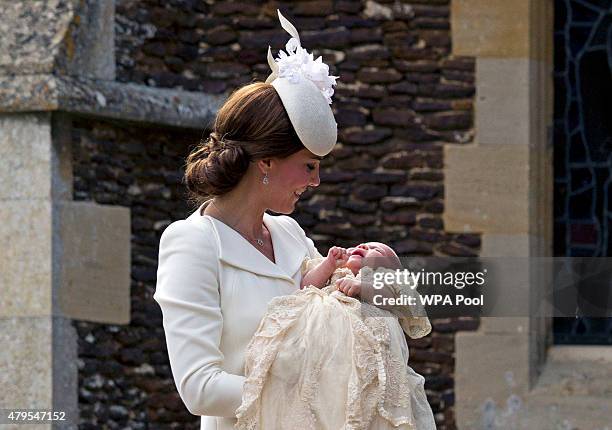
(297, 63)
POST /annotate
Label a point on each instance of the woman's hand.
(350, 287)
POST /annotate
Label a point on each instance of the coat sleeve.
(188, 293)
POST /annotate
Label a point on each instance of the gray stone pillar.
(59, 259)
(38, 357)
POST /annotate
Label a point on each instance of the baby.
(327, 360)
(351, 259)
(348, 270)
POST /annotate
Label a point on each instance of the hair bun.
(231, 153)
(220, 145)
(214, 143)
(218, 167)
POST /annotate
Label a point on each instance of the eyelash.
(310, 167)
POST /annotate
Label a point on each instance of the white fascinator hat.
(305, 88)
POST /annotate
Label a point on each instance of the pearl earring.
(265, 180)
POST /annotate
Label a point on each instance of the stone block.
(95, 261)
(106, 99)
(503, 29)
(82, 271)
(71, 38)
(26, 269)
(314, 8)
(551, 412)
(491, 28)
(394, 117)
(508, 248)
(502, 101)
(506, 245)
(486, 188)
(504, 325)
(523, 254)
(26, 362)
(94, 33)
(23, 52)
(25, 156)
(360, 136)
(489, 369)
(574, 386)
(507, 291)
(375, 76)
(39, 367)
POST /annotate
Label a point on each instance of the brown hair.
(251, 125)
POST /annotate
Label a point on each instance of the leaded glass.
(583, 146)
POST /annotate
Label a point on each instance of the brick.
(373, 76)
(393, 117)
(365, 137)
(314, 8)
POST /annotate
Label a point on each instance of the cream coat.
(213, 288)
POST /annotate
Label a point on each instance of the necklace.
(259, 241)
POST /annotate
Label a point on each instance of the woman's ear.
(264, 165)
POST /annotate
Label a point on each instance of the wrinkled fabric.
(321, 360)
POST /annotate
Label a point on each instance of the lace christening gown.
(321, 360)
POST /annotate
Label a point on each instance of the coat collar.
(235, 250)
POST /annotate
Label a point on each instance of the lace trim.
(282, 313)
(378, 383)
(413, 318)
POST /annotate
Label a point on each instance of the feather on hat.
(305, 88)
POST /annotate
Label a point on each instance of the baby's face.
(369, 250)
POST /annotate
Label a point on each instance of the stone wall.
(124, 374)
(401, 96)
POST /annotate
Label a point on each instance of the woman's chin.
(285, 209)
(288, 209)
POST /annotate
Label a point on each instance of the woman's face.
(289, 177)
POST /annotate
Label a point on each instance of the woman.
(220, 267)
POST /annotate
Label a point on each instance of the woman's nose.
(315, 180)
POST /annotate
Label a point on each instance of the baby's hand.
(337, 256)
(350, 287)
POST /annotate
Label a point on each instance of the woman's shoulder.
(198, 231)
(201, 227)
